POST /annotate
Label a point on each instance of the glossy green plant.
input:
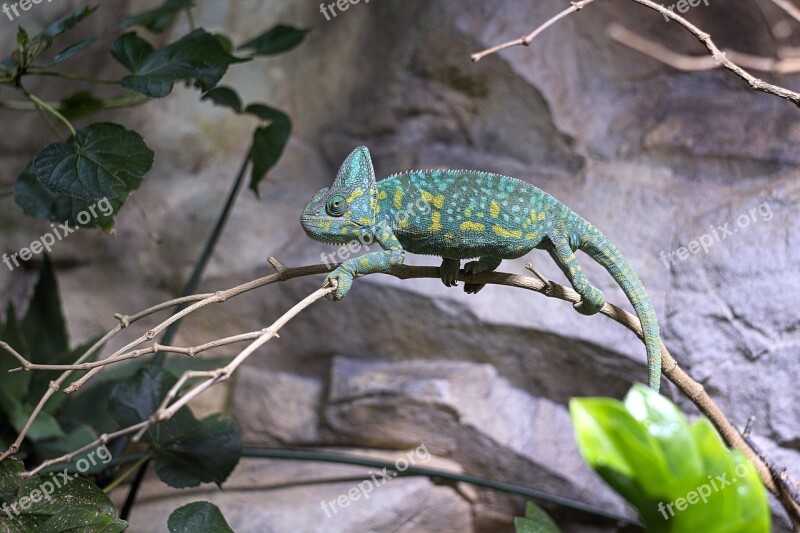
(679, 476)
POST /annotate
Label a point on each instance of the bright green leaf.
(276, 40)
(157, 19)
(198, 516)
(22, 38)
(536, 520)
(668, 426)
(198, 56)
(102, 161)
(706, 487)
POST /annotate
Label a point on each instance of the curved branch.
(717, 56)
(691, 388)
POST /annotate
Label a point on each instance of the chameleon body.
(466, 214)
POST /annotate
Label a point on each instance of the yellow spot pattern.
(436, 222)
(531, 235)
(472, 226)
(503, 232)
(437, 201)
(398, 198)
(382, 195)
(494, 209)
(468, 211)
(355, 194)
(365, 220)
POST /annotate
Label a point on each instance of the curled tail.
(599, 248)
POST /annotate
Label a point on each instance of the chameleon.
(466, 214)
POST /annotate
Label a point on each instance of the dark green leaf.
(82, 518)
(92, 461)
(198, 516)
(54, 504)
(198, 56)
(102, 161)
(79, 104)
(268, 141)
(41, 380)
(187, 452)
(73, 50)
(44, 326)
(37, 201)
(16, 384)
(157, 19)
(22, 38)
(204, 452)
(135, 399)
(276, 40)
(44, 426)
(67, 23)
(224, 96)
(10, 470)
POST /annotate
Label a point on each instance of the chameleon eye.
(336, 205)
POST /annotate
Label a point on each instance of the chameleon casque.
(466, 214)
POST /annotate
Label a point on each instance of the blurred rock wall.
(655, 158)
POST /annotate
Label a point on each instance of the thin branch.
(691, 388)
(718, 56)
(215, 376)
(191, 351)
(122, 101)
(527, 39)
(688, 63)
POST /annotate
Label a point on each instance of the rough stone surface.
(653, 157)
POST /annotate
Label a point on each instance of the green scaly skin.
(465, 214)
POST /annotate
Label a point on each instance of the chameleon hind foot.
(591, 301)
(484, 264)
(449, 271)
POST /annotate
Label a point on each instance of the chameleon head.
(346, 209)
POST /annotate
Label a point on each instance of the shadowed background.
(651, 156)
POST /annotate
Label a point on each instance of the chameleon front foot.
(343, 279)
